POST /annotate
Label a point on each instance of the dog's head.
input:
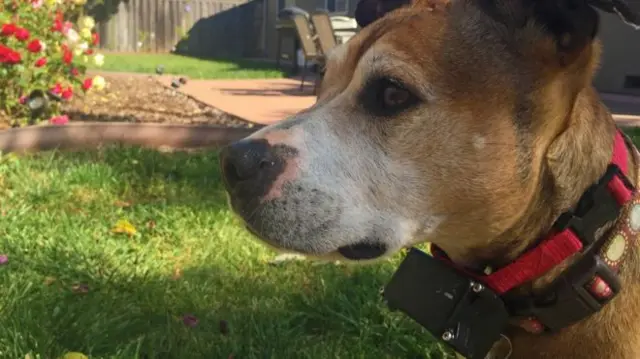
(432, 124)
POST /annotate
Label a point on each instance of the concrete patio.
(259, 101)
(271, 100)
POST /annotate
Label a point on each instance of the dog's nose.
(248, 160)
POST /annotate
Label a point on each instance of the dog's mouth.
(363, 251)
(356, 252)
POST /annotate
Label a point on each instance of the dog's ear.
(368, 11)
(572, 23)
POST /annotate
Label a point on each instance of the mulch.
(141, 98)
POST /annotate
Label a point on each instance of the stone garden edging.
(89, 135)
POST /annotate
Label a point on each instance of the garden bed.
(142, 99)
(134, 110)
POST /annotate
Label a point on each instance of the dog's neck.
(575, 160)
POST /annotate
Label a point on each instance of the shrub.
(44, 48)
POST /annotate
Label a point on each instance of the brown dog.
(472, 125)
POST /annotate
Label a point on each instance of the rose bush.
(45, 46)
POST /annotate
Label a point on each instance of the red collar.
(559, 245)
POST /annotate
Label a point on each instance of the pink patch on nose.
(275, 137)
(289, 174)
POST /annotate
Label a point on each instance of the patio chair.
(324, 31)
(307, 43)
(325, 36)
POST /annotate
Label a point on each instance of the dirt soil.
(140, 98)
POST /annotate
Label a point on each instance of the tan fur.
(573, 143)
(485, 203)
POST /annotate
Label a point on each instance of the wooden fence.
(208, 28)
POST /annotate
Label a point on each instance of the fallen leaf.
(125, 227)
(49, 280)
(190, 320)
(80, 288)
(74, 355)
(151, 224)
(285, 258)
(123, 204)
(177, 273)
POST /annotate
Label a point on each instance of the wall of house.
(620, 56)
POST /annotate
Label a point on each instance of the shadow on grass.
(239, 315)
(134, 292)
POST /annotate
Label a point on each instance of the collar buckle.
(574, 295)
(597, 207)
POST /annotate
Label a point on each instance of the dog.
(469, 124)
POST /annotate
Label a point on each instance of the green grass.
(190, 256)
(191, 67)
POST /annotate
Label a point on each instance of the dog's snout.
(248, 160)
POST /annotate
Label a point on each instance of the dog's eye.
(389, 97)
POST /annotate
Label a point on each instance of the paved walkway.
(269, 101)
(259, 101)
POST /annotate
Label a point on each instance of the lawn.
(191, 67)
(189, 283)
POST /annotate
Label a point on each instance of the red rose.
(57, 26)
(9, 56)
(8, 29)
(67, 56)
(15, 57)
(4, 51)
(67, 93)
(88, 52)
(96, 38)
(35, 46)
(87, 83)
(40, 62)
(22, 34)
(57, 89)
(75, 72)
